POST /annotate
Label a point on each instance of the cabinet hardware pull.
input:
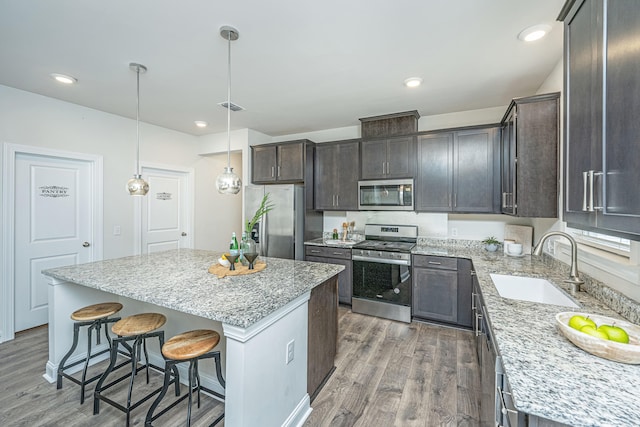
(383, 168)
(473, 272)
(434, 263)
(591, 191)
(477, 327)
(273, 171)
(313, 251)
(504, 200)
(337, 200)
(388, 168)
(337, 253)
(278, 171)
(473, 301)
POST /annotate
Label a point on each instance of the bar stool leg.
(112, 362)
(76, 332)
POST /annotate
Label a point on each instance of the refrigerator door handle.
(264, 236)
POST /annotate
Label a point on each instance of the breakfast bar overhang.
(258, 314)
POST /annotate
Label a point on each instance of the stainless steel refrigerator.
(282, 232)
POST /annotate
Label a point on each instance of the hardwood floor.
(396, 374)
(387, 374)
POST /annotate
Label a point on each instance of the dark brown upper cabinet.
(530, 134)
(388, 158)
(336, 173)
(458, 170)
(282, 163)
(602, 106)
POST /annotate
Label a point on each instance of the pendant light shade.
(137, 186)
(228, 182)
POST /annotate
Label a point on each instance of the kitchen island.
(552, 381)
(260, 315)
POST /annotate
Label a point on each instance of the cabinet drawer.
(327, 252)
(438, 262)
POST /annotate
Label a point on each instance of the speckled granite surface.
(549, 376)
(178, 279)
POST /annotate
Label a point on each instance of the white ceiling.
(298, 65)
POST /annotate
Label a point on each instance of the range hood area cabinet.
(388, 158)
(458, 171)
(283, 163)
(336, 174)
(602, 106)
(530, 130)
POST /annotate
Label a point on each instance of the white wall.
(30, 119)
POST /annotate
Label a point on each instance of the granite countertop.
(179, 280)
(548, 375)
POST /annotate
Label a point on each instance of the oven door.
(379, 281)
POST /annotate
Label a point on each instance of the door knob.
(86, 244)
(184, 234)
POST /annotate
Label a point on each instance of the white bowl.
(223, 262)
(611, 350)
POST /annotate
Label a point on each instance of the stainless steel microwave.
(386, 195)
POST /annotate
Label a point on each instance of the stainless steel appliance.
(386, 195)
(281, 232)
(382, 271)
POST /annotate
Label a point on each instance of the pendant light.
(228, 182)
(136, 185)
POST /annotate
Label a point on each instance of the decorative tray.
(611, 350)
(222, 271)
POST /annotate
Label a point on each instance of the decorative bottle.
(233, 246)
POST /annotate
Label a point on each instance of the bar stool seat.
(191, 347)
(136, 329)
(94, 316)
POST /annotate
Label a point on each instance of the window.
(616, 245)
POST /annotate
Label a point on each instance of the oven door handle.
(381, 260)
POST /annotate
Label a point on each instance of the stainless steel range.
(382, 271)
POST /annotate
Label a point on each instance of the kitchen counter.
(260, 315)
(179, 280)
(549, 376)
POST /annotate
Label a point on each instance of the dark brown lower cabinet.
(322, 334)
(442, 289)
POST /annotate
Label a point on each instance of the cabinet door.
(508, 164)
(474, 189)
(434, 183)
(263, 164)
(345, 277)
(465, 293)
(348, 172)
(291, 162)
(400, 158)
(374, 159)
(326, 176)
(435, 294)
(583, 107)
(621, 207)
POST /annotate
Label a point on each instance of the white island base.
(261, 387)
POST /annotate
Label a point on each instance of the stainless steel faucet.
(573, 279)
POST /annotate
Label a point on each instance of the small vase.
(250, 251)
(491, 247)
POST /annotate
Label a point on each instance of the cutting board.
(521, 234)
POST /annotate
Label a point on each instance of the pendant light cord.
(138, 120)
(229, 101)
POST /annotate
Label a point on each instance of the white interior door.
(166, 210)
(53, 227)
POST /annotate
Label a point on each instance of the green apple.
(578, 321)
(590, 330)
(615, 333)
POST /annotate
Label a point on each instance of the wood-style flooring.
(387, 374)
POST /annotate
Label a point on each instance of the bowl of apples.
(606, 337)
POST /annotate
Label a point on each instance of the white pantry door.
(53, 227)
(166, 210)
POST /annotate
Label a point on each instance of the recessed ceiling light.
(63, 78)
(413, 82)
(533, 33)
(201, 124)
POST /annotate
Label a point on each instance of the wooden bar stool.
(94, 316)
(189, 347)
(135, 330)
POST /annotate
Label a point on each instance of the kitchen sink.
(530, 289)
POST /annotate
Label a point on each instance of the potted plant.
(249, 245)
(491, 243)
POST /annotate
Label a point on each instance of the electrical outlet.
(454, 232)
(290, 351)
(116, 230)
